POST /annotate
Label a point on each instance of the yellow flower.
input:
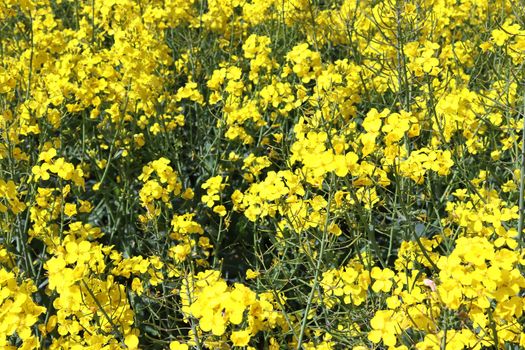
(509, 186)
(40, 172)
(187, 194)
(180, 252)
(85, 206)
(48, 155)
(383, 279)
(250, 274)
(62, 168)
(136, 286)
(131, 341)
(220, 209)
(70, 209)
(240, 338)
(175, 345)
(383, 328)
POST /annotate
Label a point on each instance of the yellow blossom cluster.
(19, 311)
(155, 189)
(219, 307)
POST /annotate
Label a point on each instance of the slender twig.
(324, 238)
(522, 174)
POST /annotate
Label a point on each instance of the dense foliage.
(267, 174)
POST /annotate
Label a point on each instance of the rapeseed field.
(262, 174)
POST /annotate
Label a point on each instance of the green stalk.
(316, 272)
(522, 175)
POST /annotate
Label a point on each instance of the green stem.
(522, 176)
(316, 273)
